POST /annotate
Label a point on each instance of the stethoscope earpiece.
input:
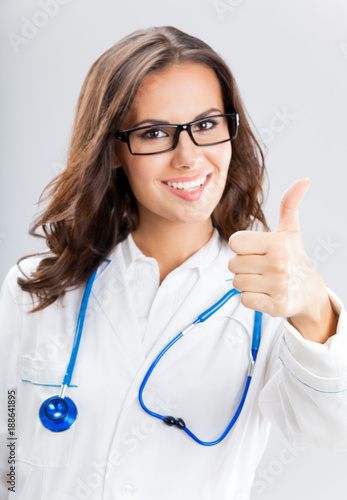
(58, 414)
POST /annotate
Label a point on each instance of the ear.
(117, 161)
(116, 164)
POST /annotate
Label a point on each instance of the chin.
(194, 215)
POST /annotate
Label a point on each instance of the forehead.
(176, 94)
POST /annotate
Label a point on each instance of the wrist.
(317, 323)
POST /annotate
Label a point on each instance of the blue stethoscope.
(58, 413)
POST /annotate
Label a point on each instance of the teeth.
(188, 186)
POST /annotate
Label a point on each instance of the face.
(183, 185)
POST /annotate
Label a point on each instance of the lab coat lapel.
(111, 296)
(201, 297)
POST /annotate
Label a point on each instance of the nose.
(186, 154)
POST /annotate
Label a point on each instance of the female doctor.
(147, 228)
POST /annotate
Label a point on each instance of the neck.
(171, 244)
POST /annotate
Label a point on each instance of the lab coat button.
(127, 490)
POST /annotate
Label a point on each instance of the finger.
(289, 209)
(258, 302)
(249, 242)
(252, 283)
(248, 264)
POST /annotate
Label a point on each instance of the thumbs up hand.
(275, 275)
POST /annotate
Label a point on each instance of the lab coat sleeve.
(307, 397)
(10, 327)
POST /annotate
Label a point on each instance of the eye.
(205, 125)
(153, 133)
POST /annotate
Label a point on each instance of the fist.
(272, 270)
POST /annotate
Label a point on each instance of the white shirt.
(117, 451)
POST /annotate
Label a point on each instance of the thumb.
(289, 209)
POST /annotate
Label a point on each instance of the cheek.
(227, 154)
(141, 169)
(221, 158)
(136, 168)
(220, 154)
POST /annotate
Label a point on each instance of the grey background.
(286, 56)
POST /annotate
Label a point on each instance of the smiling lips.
(188, 190)
(188, 186)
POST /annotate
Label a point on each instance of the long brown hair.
(92, 207)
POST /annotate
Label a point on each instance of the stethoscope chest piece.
(58, 414)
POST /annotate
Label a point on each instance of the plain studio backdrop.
(290, 62)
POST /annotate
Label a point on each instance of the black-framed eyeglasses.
(163, 137)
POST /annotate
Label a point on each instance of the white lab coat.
(117, 451)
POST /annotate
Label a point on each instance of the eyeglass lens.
(158, 138)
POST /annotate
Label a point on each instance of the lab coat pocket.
(37, 445)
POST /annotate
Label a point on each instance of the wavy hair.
(91, 206)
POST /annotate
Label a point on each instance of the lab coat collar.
(113, 282)
(123, 258)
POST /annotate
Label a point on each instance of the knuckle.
(279, 259)
(235, 241)
(232, 264)
(237, 282)
(246, 300)
(281, 270)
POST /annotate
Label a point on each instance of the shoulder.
(10, 289)
(24, 268)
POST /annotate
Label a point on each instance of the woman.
(163, 169)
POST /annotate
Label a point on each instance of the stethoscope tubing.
(79, 329)
(231, 423)
(149, 373)
(58, 413)
(179, 422)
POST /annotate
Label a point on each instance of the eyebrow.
(151, 121)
